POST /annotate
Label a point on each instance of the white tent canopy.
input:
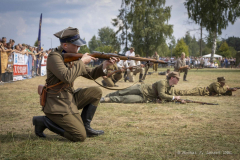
(215, 56)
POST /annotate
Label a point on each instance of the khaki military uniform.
(110, 81)
(214, 88)
(181, 63)
(63, 102)
(155, 65)
(144, 93)
(133, 72)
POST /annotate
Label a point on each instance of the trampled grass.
(132, 131)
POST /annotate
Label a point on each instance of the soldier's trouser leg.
(130, 76)
(108, 82)
(85, 96)
(127, 99)
(198, 91)
(72, 125)
(88, 99)
(185, 74)
(155, 66)
(133, 90)
(117, 77)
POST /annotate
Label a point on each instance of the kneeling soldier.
(62, 101)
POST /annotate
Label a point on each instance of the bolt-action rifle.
(190, 101)
(184, 67)
(233, 88)
(69, 57)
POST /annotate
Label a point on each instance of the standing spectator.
(226, 62)
(129, 53)
(155, 65)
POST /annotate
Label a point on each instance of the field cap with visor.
(70, 35)
(221, 79)
(174, 74)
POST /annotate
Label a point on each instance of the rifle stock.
(69, 57)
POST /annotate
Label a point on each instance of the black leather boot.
(42, 122)
(53, 126)
(104, 83)
(140, 77)
(87, 116)
(184, 77)
(38, 122)
(114, 81)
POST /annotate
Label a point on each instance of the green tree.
(206, 50)
(106, 49)
(214, 15)
(36, 43)
(187, 39)
(194, 48)
(224, 50)
(232, 51)
(121, 22)
(94, 43)
(181, 47)
(107, 37)
(84, 49)
(163, 50)
(171, 45)
(234, 42)
(149, 28)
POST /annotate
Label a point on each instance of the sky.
(19, 19)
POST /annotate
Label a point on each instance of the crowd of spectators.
(201, 62)
(36, 55)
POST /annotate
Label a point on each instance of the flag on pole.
(39, 33)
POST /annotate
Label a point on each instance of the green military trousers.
(198, 91)
(72, 124)
(132, 94)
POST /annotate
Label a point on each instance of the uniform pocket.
(59, 102)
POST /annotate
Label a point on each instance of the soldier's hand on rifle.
(111, 61)
(232, 89)
(177, 97)
(183, 101)
(86, 58)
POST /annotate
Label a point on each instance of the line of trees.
(143, 24)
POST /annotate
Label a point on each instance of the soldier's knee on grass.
(76, 138)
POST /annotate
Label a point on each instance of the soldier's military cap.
(70, 35)
(221, 79)
(174, 74)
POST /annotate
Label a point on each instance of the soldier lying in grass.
(164, 90)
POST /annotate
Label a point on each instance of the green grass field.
(132, 131)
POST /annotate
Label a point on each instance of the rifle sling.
(108, 87)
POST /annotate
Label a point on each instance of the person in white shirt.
(138, 68)
(129, 53)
